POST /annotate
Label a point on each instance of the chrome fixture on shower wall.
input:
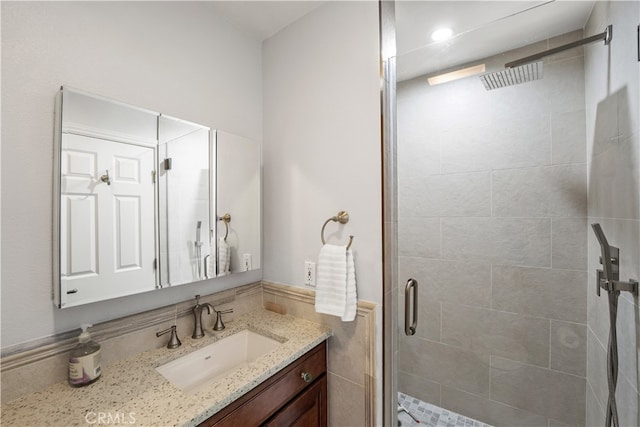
(512, 76)
(605, 36)
(530, 68)
(608, 279)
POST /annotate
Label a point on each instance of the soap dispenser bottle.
(85, 360)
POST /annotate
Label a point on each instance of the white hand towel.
(336, 283)
(224, 257)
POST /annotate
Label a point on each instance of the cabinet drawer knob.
(306, 376)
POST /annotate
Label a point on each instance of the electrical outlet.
(246, 262)
(309, 273)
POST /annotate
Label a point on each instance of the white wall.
(179, 58)
(612, 81)
(321, 150)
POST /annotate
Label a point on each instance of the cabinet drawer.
(262, 402)
(309, 409)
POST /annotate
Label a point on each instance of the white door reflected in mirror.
(121, 206)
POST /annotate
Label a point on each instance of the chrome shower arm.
(605, 36)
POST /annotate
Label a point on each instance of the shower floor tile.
(431, 415)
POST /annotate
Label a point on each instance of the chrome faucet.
(198, 331)
(219, 325)
(174, 342)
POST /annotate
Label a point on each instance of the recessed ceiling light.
(441, 34)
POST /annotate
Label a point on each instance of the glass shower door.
(492, 223)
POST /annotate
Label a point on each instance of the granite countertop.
(132, 392)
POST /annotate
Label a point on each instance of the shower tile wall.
(492, 223)
(613, 149)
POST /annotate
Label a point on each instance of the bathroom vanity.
(297, 393)
(284, 384)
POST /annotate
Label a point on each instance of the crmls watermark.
(110, 418)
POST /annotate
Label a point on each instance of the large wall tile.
(419, 237)
(553, 394)
(568, 136)
(346, 402)
(595, 415)
(423, 389)
(467, 194)
(555, 423)
(516, 142)
(418, 156)
(492, 332)
(347, 349)
(564, 84)
(553, 294)
(568, 347)
(513, 241)
(597, 368)
(489, 411)
(614, 179)
(460, 282)
(415, 116)
(569, 243)
(447, 365)
(624, 67)
(541, 191)
(628, 403)
(628, 327)
(597, 311)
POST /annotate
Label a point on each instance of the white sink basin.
(194, 371)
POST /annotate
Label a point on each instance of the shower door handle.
(411, 294)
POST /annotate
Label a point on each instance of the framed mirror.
(135, 201)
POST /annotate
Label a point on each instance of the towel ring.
(226, 218)
(342, 218)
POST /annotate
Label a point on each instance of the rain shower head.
(512, 76)
(526, 70)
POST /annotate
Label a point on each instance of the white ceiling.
(265, 18)
(482, 28)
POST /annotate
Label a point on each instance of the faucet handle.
(219, 324)
(174, 342)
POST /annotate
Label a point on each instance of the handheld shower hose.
(608, 279)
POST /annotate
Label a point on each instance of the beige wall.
(613, 150)
(492, 224)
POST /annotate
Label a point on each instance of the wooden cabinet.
(295, 396)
